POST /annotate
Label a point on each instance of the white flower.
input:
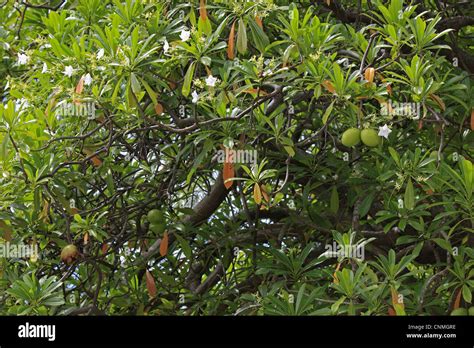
(166, 46)
(384, 131)
(100, 53)
(45, 68)
(185, 35)
(68, 71)
(211, 81)
(235, 112)
(195, 97)
(87, 79)
(23, 59)
(21, 104)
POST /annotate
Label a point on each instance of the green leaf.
(259, 37)
(394, 155)
(136, 88)
(242, 37)
(409, 198)
(4, 148)
(188, 78)
(466, 293)
(116, 89)
(150, 92)
(206, 60)
(366, 204)
(328, 112)
(335, 305)
(184, 246)
(290, 150)
(443, 243)
(205, 26)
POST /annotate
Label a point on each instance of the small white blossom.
(44, 47)
(100, 53)
(211, 81)
(185, 35)
(235, 112)
(87, 79)
(23, 59)
(45, 68)
(384, 131)
(21, 104)
(68, 71)
(166, 46)
(195, 96)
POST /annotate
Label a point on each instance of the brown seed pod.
(69, 253)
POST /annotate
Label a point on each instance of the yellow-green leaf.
(242, 37)
(257, 194)
(328, 112)
(409, 198)
(188, 78)
(290, 150)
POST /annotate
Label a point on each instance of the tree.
(230, 157)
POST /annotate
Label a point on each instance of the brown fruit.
(369, 74)
(69, 253)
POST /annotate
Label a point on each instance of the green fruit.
(471, 311)
(369, 137)
(155, 216)
(459, 311)
(350, 137)
(69, 253)
(158, 228)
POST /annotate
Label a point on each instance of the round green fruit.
(69, 253)
(158, 228)
(369, 137)
(350, 137)
(459, 311)
(155, 216)
(471, 311)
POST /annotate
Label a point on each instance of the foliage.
(109, 109)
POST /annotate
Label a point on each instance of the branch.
(211, 280)
(201, 212)
(455, 23)
(45, 5)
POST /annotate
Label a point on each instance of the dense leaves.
(227, 117)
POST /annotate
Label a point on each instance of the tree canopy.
(262, 157)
